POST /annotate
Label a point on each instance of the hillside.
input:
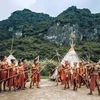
(24, 23)
(39, 34)
(81, 22)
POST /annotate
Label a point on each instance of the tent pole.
(12, 46)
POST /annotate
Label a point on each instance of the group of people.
(16, 75)
(85, 74)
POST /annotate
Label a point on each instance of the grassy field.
(44, 77)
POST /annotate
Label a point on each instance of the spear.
(12, 76)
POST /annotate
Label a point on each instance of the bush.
(48, 69)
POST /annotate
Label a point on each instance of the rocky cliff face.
(81, 22)
(60, 34)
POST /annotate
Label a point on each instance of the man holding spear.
(3, 71)
(35, 71)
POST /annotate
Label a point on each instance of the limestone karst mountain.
(40, 34)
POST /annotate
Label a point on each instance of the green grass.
(44, 77)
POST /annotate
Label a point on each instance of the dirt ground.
(49, 91)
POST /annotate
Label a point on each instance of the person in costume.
(58, 78)
(24, 61)
(12, 72)
(35, 74)
(67, 75)
(74, 77)
(93, 79)
(4, 71)
(21, 76)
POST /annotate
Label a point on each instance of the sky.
(51, 7)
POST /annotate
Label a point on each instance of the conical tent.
(71, 57)
(54, 75)
(11, 57)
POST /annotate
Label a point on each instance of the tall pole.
(12, 45)
(72, 36)
(72, 41)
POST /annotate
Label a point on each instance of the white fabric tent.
(54, 76)
(71, 57)
(11, 57)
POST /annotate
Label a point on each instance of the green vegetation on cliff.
(29, 29)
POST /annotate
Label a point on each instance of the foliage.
(29, 28)
(47, 70)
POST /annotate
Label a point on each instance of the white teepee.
(55, 74)
(11, 57)
(71, 57)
